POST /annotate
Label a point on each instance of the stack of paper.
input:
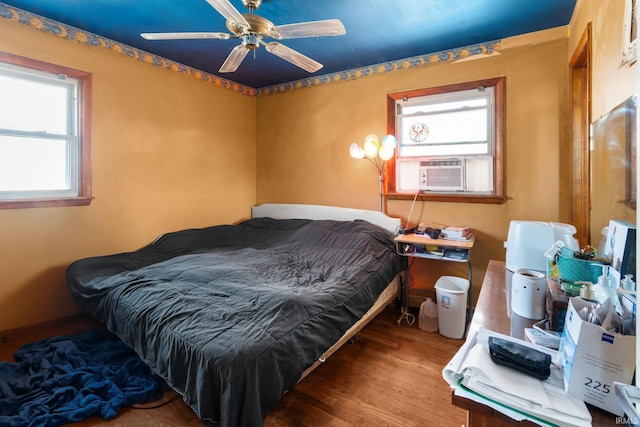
(453, 232)
(473, 375)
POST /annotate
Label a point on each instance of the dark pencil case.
(520, 357)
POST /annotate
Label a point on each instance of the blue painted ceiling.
(377, 31)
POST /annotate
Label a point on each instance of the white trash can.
(451, 296)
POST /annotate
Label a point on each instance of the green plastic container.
(573, 270)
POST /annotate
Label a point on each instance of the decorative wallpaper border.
(80, 36)
(386, 67)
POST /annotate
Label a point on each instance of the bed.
(232, 316)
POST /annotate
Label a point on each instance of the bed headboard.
(291, 211)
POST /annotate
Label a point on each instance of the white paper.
(544, 400)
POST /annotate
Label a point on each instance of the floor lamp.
(377, 154)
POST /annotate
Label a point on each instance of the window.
(450, 142)
(44, 134)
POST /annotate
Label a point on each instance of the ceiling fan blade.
(328, 27)
(184, 36)
(293, 56)
(230, 13)
(234, 59)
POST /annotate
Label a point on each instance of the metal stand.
(404, 301)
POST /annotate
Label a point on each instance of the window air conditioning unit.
(442, 175)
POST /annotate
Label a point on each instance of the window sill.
(457, 198)
(45, 203)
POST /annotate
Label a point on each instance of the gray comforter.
(231, 316)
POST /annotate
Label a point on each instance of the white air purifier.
(528, 241)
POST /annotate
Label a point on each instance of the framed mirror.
(630, 33)
(613, 167)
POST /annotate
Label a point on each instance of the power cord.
(415, 197)
(157, 403)
(409, 317)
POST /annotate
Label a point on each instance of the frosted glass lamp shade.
(371, 145)
(356, 151)
(389, 141)
(385, 152)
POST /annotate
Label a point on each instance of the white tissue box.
(593, 359)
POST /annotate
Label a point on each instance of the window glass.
(31, 164)
(441, 134)
(445, 124)
(34, 106)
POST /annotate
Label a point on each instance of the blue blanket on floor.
(69, 378)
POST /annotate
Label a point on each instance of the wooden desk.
(419, 246)
(491, 313)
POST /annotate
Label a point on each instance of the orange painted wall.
(304, 138)
(168, 152)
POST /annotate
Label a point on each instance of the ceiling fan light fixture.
(251, 41)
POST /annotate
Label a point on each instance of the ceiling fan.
(252, 29)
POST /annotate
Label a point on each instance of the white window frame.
(77, 86)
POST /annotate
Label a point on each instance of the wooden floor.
(389, 376)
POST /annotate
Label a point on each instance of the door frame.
(580, 76)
